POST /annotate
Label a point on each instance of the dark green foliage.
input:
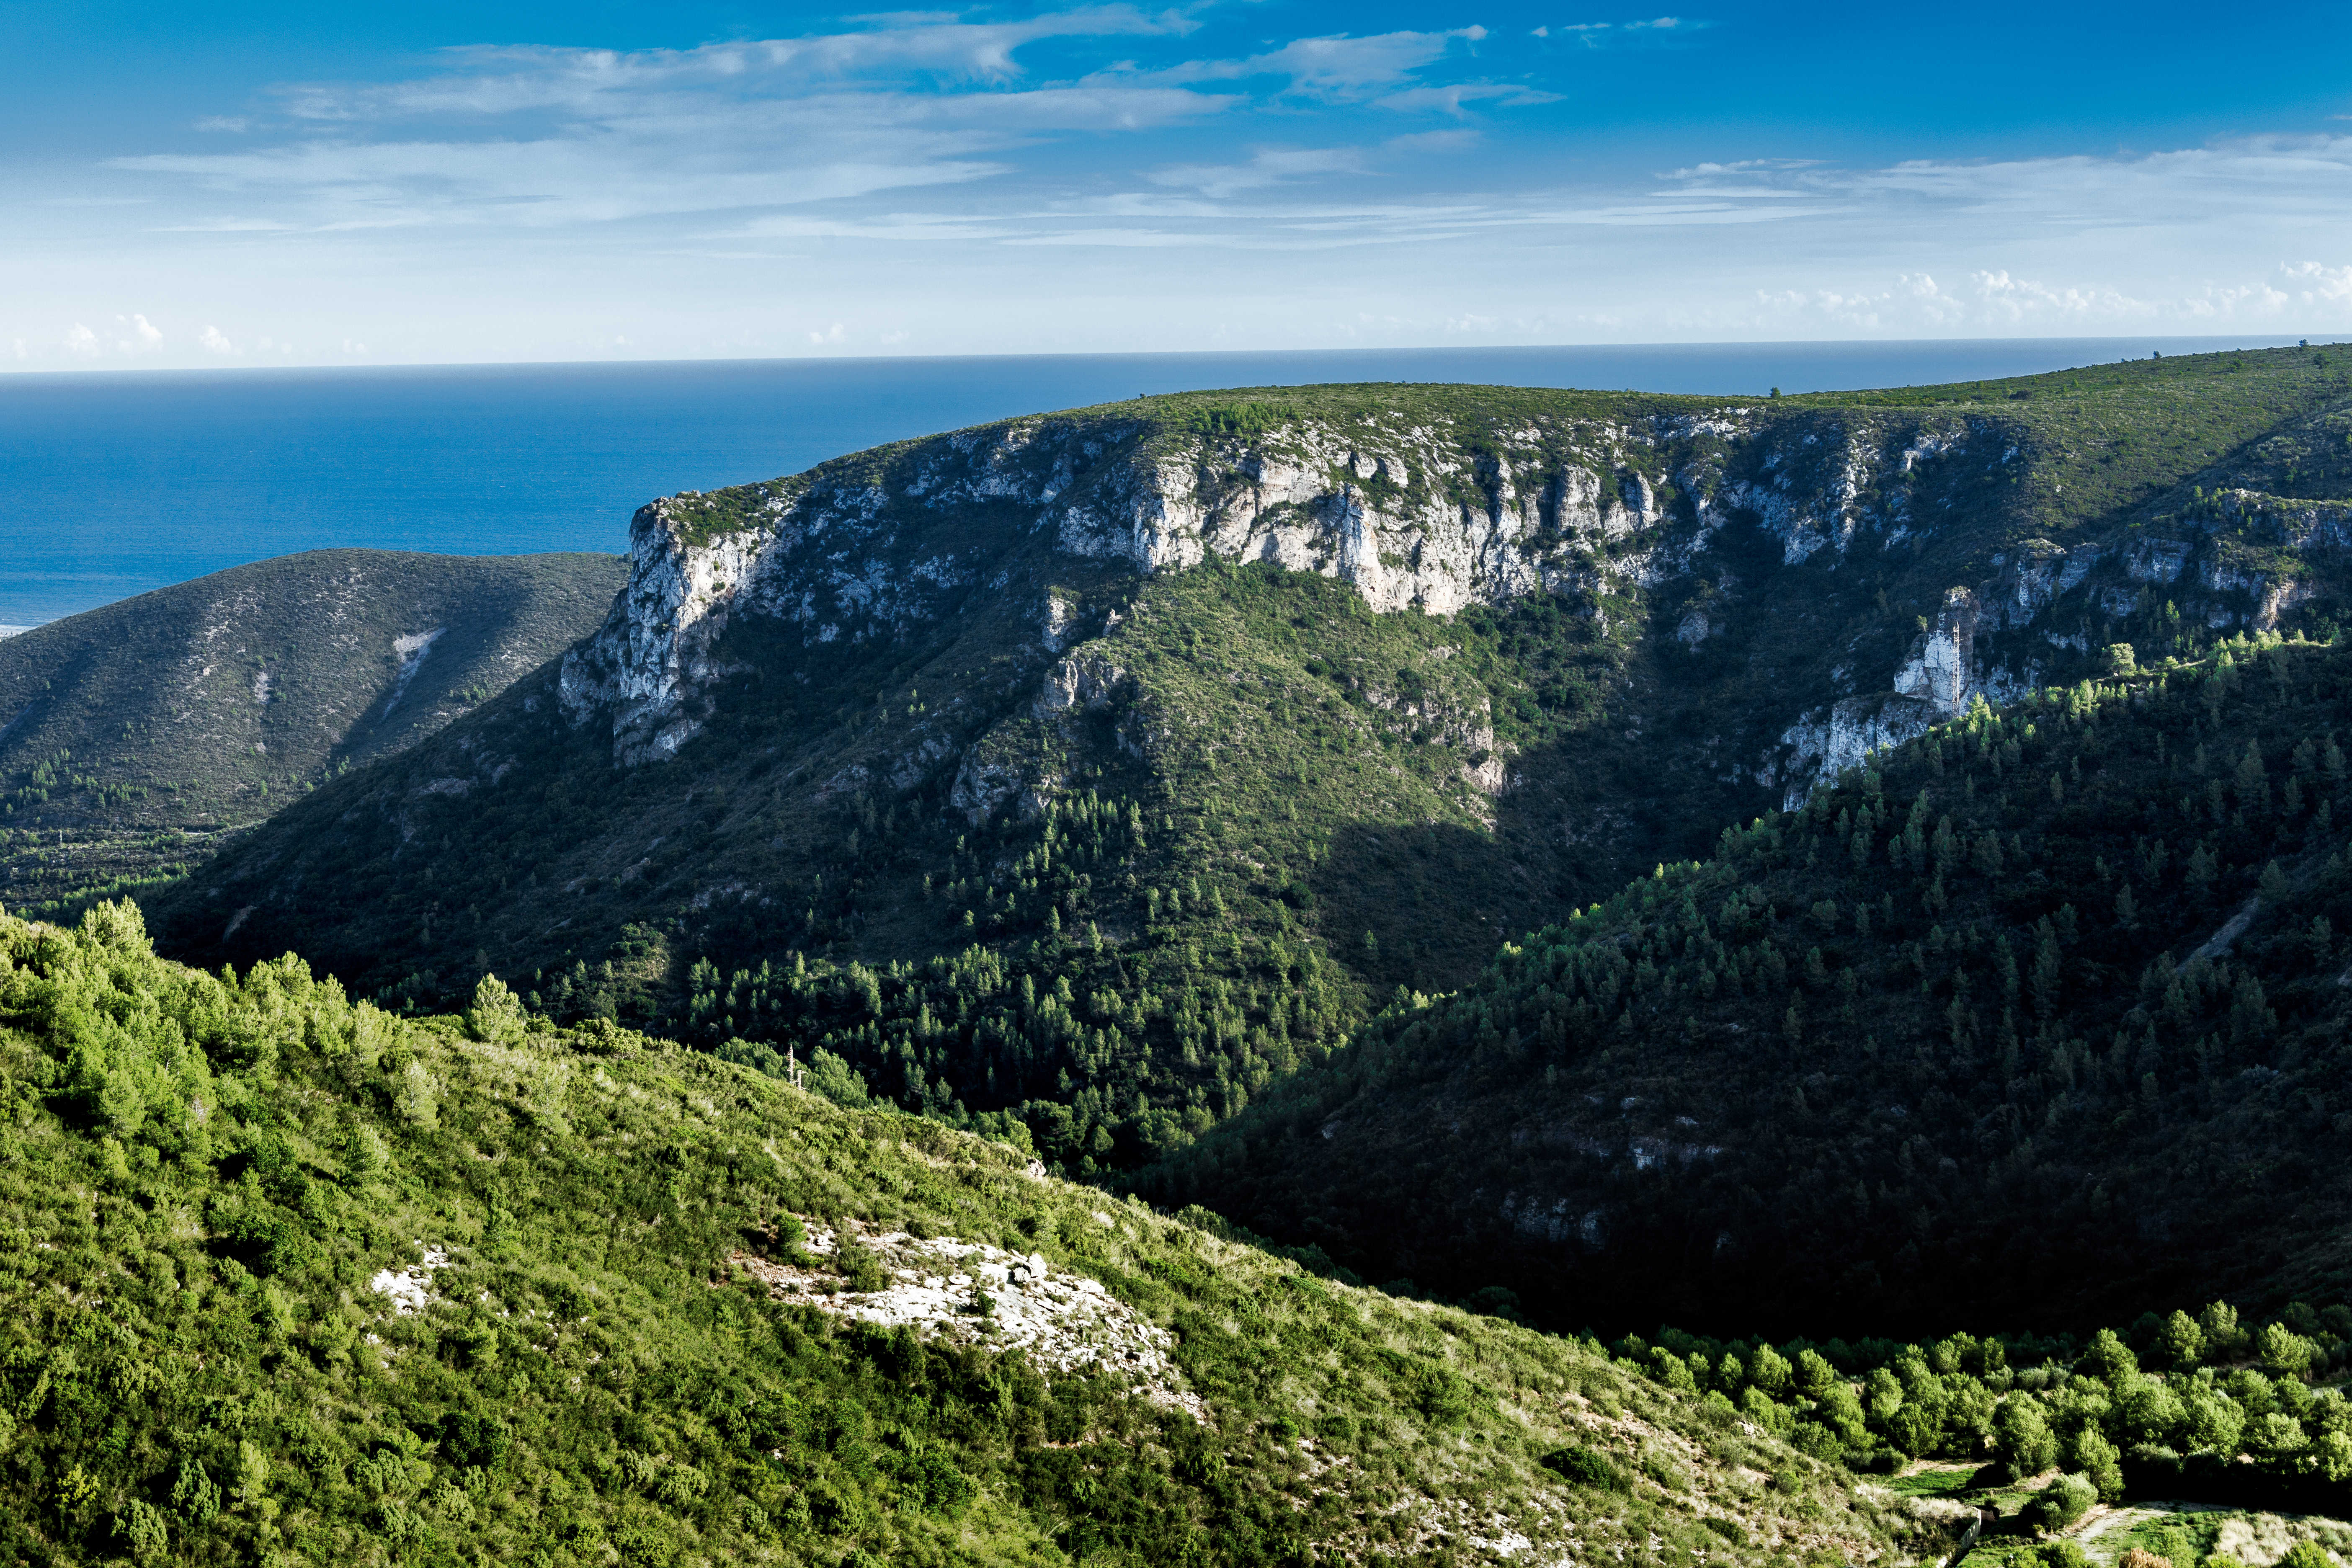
(2022, 1093)
(133, 736)
(1581, 1466)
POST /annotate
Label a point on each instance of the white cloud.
(2316, 284)
(1460, 141)
(147, 333)
(1451, 97)
(836, 335)
(1269, 167)
(213, 342)
(1657, 29)
(81, 342)
(1336, 67)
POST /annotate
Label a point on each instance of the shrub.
(1581, 1467)
(2061, 1504)
(858, 1266)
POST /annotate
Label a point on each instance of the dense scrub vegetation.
(2037, 1017)
(285, 1278)
(2197, 1406)
(134, 739)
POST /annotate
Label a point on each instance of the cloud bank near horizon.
(1108, 177)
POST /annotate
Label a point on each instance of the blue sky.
(247, 185)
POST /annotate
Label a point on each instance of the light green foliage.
(416, 1096)
(2219, 1323)
(2285, 1351)
(494, 1016)
(2022, 1436)
(2148, 1410)
(196, 1368)
(2109, 1359)
(2065, 1500)
(2099, 1461)
(2180, 1341)
(2213, 1423)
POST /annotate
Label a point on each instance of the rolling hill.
(134, 736)
(285, 1277)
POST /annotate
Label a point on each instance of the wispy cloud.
(1272, 166)
(1600, 35)
(539, 136)
(1336, 67)
(956, 184)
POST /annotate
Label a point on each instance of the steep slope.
(132, 735)
(286, 1278)
(1103, 766)
(2043, 1017)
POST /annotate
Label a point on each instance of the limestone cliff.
(1428, 515)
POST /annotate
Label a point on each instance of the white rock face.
(1825, 744)
(1942, 669)
(653, 656)
(411, 1288)
(1415, 518)
(837, 560)
(972, 1294)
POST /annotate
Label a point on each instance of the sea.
(117, 483)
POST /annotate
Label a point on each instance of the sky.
(247, 185)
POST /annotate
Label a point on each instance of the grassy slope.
(1264, 781)
(199, 1176)
(132, 735)
(2016, 1096)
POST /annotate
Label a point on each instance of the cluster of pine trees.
(1900, 1045)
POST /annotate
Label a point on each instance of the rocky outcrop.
(649, 665)
(1418, 516)
(1825, 743)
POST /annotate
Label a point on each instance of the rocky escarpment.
(1417, 516)
(1744, 520)
(1381, 674)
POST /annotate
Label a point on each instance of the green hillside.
(2039, 1020)
(915, 769)
(133, 737)
(288, 1279)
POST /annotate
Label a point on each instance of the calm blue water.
(119, 483)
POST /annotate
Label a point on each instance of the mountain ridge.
(1443, 661)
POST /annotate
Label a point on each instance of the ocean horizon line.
(2193, 343)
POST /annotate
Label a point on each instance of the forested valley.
(1308, 975)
